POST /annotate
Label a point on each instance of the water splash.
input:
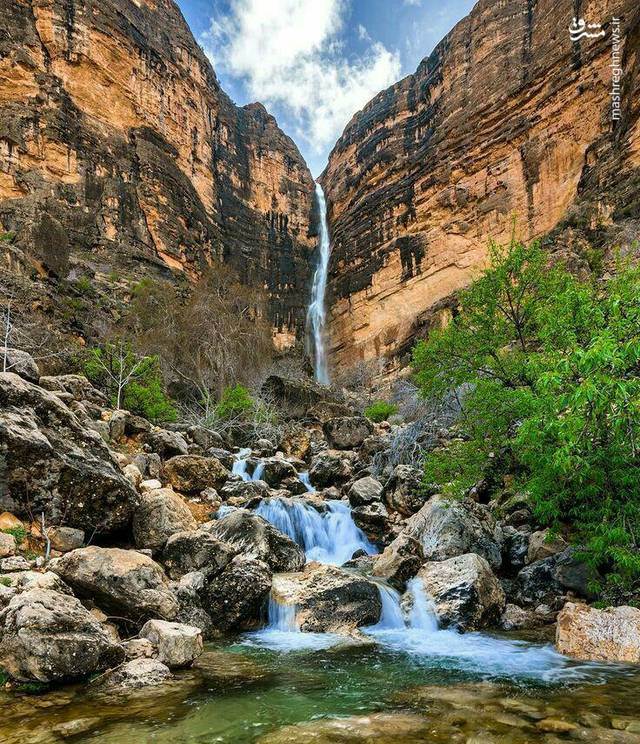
(304, 478)
(241, 463)
(329, 537)
(316, 314)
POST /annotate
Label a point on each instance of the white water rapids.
(408, 624)
(316, 314)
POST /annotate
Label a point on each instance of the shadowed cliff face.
(506, 117)
(119, 149)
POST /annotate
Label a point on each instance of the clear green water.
(497, 690)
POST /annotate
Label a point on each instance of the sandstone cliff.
(120, 154)
(506, 117)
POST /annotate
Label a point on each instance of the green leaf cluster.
(379, 411)
(549, 369)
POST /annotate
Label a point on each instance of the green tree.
(550, 368)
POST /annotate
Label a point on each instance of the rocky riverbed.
(128, 549)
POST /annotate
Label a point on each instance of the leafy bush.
(149, 400)
(380, 411)
(235, 401)
(19, 533)
(554, 368)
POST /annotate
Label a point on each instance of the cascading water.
(241, 463)
(329, 537)
(316, 314)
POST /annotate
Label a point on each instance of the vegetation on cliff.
(547, 369)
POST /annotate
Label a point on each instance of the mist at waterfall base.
(316, 313)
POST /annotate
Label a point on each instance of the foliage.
(553, 366)
(4, 581)
(19, 533)
(234, 402)
(380, 411)
(131, 380)
(455, 469)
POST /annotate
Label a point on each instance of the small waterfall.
(281, 617)
(304, 478)
(329, 537)
(316, 314)
(240, 466)
(421, 617)
(391, 617)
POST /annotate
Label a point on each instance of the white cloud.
(288, 54)
(413, 2)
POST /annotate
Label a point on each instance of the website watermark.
(580, 29)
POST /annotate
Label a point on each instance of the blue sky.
(314, 63)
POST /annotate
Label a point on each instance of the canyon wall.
(121, 155)
(506, 119)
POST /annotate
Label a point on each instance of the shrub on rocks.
(178, 645)
(122, 582)
(347, 432)
(465, 591)
(161, 514)
(254, 537)
(51, 637)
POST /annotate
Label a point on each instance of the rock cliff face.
(506, 117)
(119, 150)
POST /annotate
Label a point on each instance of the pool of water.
(274, 687)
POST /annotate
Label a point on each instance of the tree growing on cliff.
(554, 370)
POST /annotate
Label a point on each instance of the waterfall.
(240, 466)
(316, 315)
(329, 537)
(421, 616)
(281, 617)
(304, 478)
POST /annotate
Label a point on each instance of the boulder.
(139, 648)
(135, 425)
(405, 491)
(9, 521)
(545, 581)
(365, 490)
(234, 598)
(515, 547)
(586, 633)
(292, 397)
(122, 582)
(347, 432)
(65, 539)
(7, 545)
(135, 674)
(166, 443)
(254, 537)
(50, 637)
(195, 551)
(26, 580)
(447, 528)
(14, 563)
(465, 591)
(329, 599)
(328, 409)
(543, 544)
(20, 363)
(178, 645)
(330, 469)
(161, 514)
(275, 470)
(517, 618)
(400, 561)
(77, 386)
(240, 492)
(193, 473)
(373, 520)
(52, 464)
(296, 442)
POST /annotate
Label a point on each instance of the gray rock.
(365, 491)
(65, 539)
(277, 470)
(166, 443)
(400, 561)
(405, 491)
(514, 547)
(77, 386)
(7, 545)
(543, 545)
(292, 397)
(135, 674)
(122, 582)
(161, 513)
(48, 637)
(347, 432)
(178, 645)
(447, 528)
(20, 363)
(139, 648)
(54, 465)
(14, 563)
(465, 591)
(329, 599)
(330, 469)
(254, 537)
(517, 618)
(235, 598)
(373, 519)
(196, 551)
